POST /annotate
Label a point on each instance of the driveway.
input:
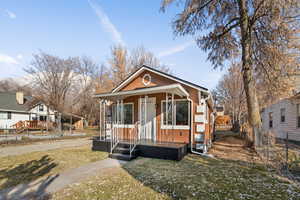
(41, 189)
(43, 146)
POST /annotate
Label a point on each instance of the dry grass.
(28, 167)
(233, 174)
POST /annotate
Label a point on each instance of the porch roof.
(176, 89)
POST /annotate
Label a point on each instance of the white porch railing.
(114, 138)
(134, 137)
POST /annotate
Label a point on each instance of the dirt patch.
(233, 148)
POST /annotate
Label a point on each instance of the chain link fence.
(282, 154)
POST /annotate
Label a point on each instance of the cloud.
(107, 25)
(8, 59)
(175, 49)
(20, 56)
(10, 14)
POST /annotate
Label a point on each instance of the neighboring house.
(220, 110)
(283, 117)
(15, 107)
(155, 114)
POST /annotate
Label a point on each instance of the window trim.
(127, 125)
(178, 127)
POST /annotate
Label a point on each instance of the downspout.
(191, 128)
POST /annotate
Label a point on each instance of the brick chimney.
(20, 97)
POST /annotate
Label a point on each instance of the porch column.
(104, 118)
(173, 116)
(167, 117)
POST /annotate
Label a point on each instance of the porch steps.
(122, 152)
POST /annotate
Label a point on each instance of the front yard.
(235, 176)
(32, 166)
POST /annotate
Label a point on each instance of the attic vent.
(146, 79)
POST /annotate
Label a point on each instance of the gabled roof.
(8, 102)
(174, 78)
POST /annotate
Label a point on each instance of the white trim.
(153, 71)
(179, 127)
(149, 81)
(146, 91)
(123, 125)
(176, 127)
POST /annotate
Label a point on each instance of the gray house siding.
(280, 129)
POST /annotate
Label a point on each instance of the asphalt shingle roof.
(8, 102)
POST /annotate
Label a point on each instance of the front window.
(181, 116)
(270, 120)
(127, 113)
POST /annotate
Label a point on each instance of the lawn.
(32, 166)
(194, 177)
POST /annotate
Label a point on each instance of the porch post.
(122, 119)
(173, 117)
(100, 126)
(104, 122)
(145, 118)
(167, 120)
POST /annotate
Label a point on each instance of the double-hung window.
(3, 115)
(298, 115)
(41, 108)
(125, 117)
(270, 120)
(282, 115)
(180, 119)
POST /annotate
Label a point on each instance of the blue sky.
(91, 27)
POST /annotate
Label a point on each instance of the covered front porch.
(143, 122)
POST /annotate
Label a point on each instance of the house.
(283, 117)
(16, 107)
(155, 114)
(220, 110)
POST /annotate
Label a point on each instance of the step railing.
(134, 137)
(114, 138)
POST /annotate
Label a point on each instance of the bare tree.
(140, 56)
(263, 34)
(230, 93)
(52, 79)
(118, 64)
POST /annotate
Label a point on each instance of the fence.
(282, 154)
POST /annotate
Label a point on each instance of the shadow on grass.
(197, 177)
(27, 174)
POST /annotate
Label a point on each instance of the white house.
(283, 117)
(15, 107)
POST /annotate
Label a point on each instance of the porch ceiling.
(176, 89)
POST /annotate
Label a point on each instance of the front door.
(148, 118)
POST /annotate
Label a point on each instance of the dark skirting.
(169, 151)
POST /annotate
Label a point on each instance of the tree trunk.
(249, 82)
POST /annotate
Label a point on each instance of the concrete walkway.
(40, 189)
(43, 146)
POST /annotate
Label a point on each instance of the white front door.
(148, 118)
